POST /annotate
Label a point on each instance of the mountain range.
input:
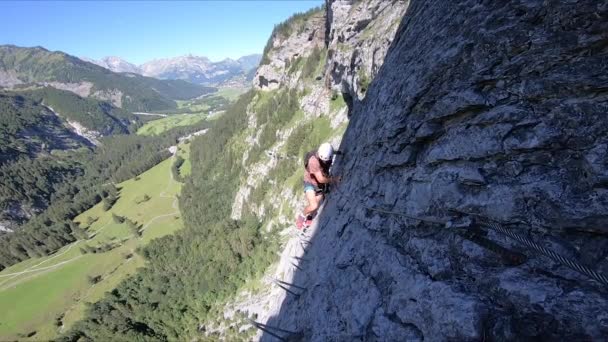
(22, 67)
(195, 69)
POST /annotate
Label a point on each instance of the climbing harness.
(574, 265)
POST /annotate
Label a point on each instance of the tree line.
(197, 267)
(86, 178)
(189, 273)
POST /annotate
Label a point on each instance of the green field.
(212, 102)
(230, 93)
(156, 127)
(41, 297)
(196, 110)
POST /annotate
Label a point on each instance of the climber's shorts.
(318, 190)
(309, 187)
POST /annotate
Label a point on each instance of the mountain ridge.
(192, 68)
(22, 67)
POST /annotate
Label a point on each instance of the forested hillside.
(27, 128)
(93, 114)
(71, 183)
(20, 67)
(240, 200)
(191, 270)
(47, 124)
(204, 265)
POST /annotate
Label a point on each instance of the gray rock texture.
(358, 35)
(302, 37)
(486, 107)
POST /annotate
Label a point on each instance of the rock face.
(305, 35)
(358, 36)
(496, 109)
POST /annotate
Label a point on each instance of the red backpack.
(307, 157)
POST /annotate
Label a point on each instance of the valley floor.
(41, 297)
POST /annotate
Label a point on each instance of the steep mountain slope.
(24, 113)
(239, 204)
(38, 128)
(23, 67)
(249, 62)
(28, 128)
(493, 109)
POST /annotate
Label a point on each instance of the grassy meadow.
(41, 297)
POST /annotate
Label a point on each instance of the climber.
(316, 181)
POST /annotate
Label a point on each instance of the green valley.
(41, 297)
(158, 126)
(193, 111)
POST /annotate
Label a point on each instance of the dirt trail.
(30, 268)
(38, 271)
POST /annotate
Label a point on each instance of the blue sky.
(139, 31)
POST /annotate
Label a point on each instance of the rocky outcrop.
(114, 96)
(82, 89)
(496, 109)
(9, 79)
(298, 39)
(358, 36)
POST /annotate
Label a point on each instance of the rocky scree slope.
(493, 108)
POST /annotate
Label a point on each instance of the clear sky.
(139, 31)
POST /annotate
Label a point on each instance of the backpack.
(307, 156)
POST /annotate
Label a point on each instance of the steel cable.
(574, 265)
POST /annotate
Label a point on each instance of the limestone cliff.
(358, 35)
(493, 109)
(479, 112)
(321, 57)
(298, 102)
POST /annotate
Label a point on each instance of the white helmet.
(325, 152)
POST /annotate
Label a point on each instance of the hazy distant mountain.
(250, 61)
(195, 69)
(115, 64)
(22, 67)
